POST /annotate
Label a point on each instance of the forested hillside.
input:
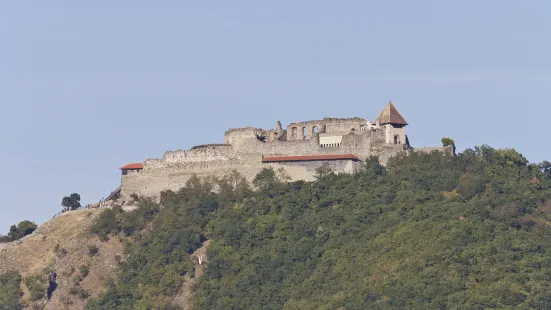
(429, 232)
(426, 232)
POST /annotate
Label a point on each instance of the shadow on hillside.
(52, 286)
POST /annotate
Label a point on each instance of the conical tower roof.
(390, 115)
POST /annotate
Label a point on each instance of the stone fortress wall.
(245, 148)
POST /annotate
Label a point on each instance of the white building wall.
(330, 141)
(391, 132)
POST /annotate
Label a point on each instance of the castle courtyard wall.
(151, 183)
(244, 149)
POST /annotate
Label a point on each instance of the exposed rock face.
(199, 257)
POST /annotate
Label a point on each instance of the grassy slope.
(70, 231)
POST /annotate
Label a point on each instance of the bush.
(59, 251)
(66, 300)
(92, 250)
(36, 285)
(79, 292)
(21, 230)
(77, 278)
(107, 223)
(37, 293)
(26, 228)
(70, 272)
(10, 291)
(115, 220)
(447, 142)
(84, 270)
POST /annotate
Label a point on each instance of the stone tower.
(393, 124)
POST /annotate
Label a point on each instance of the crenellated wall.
(151, 183)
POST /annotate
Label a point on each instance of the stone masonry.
(299, 150)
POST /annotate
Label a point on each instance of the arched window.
(304, 132)
(315, 130)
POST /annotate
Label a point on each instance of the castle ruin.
(299, 149)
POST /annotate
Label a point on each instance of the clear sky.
(88, 86)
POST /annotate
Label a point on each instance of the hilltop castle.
(300, 148)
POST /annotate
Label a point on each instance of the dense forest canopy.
(426, 232)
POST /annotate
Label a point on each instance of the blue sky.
(89, 87)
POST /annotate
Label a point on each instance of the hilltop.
(426, 231)
(61, 244)
(299, 149)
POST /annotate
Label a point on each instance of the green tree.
(545, 167)
(26, 228)
(10, 291)
(447, 141)
(468, 186)
(21, 230)
(323, 171)
(71, 202)
(510, 157)
(13, 233)
(266, 179)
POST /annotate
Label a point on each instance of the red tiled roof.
(133, 166)
(309, 158)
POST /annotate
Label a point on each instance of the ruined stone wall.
(237, 136)
(304, 130)
(385, 152)
(308, 129)
(276, 133)
(199, 154)
(447, 150)
(345, 126)
(151, 183)
(243, 152)
(381, 149)
(176, 167)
